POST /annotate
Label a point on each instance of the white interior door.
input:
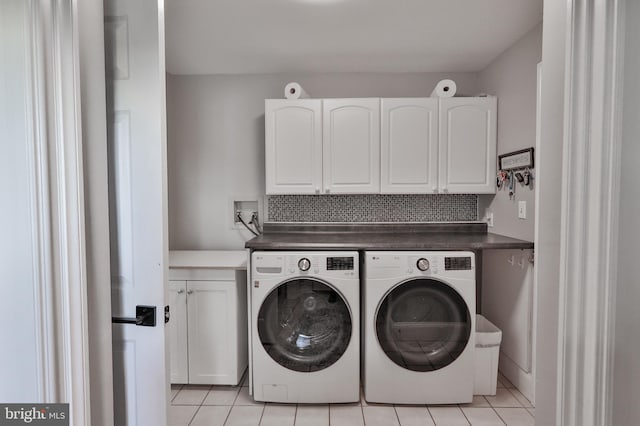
(134, 49)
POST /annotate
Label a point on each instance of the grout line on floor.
(465, 414)
(503, 420)
(397, 416)
(430, 415)
(179, 390)
(264, 407)
(194, 416)
(295, 415)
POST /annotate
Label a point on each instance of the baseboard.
(522, 380)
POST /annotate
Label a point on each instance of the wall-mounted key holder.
(516, 160)
(513, 166)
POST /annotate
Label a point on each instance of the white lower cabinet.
(208, 326)
(177, 332)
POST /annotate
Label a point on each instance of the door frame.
(589, 215)
(578, 209)
(57, 196)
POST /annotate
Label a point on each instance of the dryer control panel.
(457, 263)
(388, 264)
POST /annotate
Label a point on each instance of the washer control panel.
(342, 263)
(422, 264)
(338, 264)
(304, 264)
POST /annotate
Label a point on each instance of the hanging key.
(511, 185)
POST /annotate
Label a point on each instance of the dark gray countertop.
(386, 236)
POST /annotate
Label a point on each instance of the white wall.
(626, 410)
(18, 364)
(216, 141)
(507, 289)
(512, 78)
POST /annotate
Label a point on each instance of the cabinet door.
(177, 332)
(468, 145)
(212, 332)
(351, 146)
(409, 146)
(293, 146)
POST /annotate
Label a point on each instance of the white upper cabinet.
(293, 146)
(409, 146)
(467, 149)
(351, 146)
(389, 146)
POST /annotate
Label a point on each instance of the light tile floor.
(233, 406)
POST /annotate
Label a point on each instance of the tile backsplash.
(373, 208)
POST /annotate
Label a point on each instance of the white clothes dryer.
(419, 327)
(305, 323)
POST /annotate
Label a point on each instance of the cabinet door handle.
(189, 291)
(327, 190)
(445, 189)
(317, 190)
(434, 189)
(180, 291)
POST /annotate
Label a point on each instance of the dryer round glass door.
(423, 325)
(305, 325)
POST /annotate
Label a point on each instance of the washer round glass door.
(423, 325)
(305, 325)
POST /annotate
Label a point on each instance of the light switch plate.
(522, 209)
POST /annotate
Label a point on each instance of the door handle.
(145, 317)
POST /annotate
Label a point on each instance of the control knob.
(422, 264)
(304, 264)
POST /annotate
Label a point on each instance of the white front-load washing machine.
(305, 326)
(419, 327)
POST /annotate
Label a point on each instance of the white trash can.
(488, 338)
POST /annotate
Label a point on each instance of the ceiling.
(272, 36)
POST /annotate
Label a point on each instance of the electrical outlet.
(490, 220)
(522, 209)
